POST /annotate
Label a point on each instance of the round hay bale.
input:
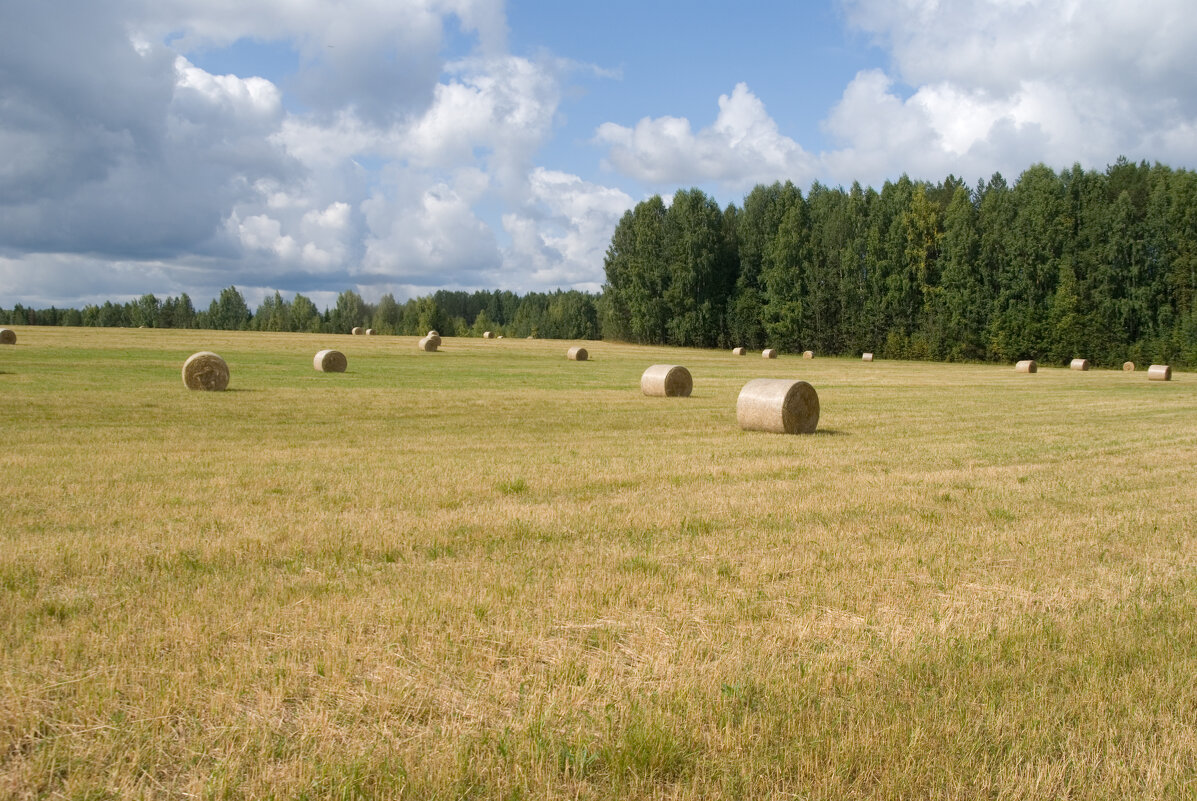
(1159, 372)
(667, 381)
(808, 354)
(1128, 367)
(1079, 364)
(488, 335)
(369, 332)
(577, 354)
(429, 344)
(433, 333)
(358, 330)
(866, 357)
(205, 370)
(8, 336)
(1026, 366)
(779, 406)
(769, 353)
(330, 361)
(738, 351)
(501, 336)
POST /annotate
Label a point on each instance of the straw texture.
(738, 351)
(330, 361)
(358, 330)
(429, 344)
(667, 381)
(1079, 364)
(1128, 367)
(808, 354)
(369, 332)
(205, 370)
(488, 335)
(8, 336)
(577, 354)
(1026, 366)
(769, 353)
(866, 357)
(779, 406)
(1159, 372)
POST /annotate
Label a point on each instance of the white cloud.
(741, 148)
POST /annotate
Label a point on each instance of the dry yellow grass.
(601, 595)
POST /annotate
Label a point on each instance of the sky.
(403, 146)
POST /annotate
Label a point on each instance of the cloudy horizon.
(170, 146)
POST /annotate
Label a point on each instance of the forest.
(1101, 265)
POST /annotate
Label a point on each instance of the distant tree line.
(1096, 265)
(1101, 265)
(555, 315)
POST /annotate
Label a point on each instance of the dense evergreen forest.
(1080, 263)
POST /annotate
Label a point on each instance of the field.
(490, 572)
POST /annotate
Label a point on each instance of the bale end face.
(488, 335)
(1159, 372)
(1079, 364)
(667, 381)
(205, 371)
(369, 332)
(1128, 367)
(769, 353)
(428, 344)
(577, 354)
(866, 357)
(1026, 366)
(808, 354)
(357, 331)
(330, 361)
(8, 336)
(779, 406)
(738, 351)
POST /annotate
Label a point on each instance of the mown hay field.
(492, 572)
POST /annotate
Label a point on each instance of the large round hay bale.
(428, 344)
(1079, 364)
(1159, 372)
(577, 354)
(866, 357)
(205, 370)
(8, 336)
(738, 351)
(808, 354)
(778, 405)
(667, 381)
(1128, 367)
(358, 330)
(488, 335)
(769, 353)
(330, 361)
(1026, 366)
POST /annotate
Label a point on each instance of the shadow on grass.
(830, 432)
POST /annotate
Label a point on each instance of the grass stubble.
(489, 572)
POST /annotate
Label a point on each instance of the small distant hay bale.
(433, 333)
(488, 334)
(1159, 372)
(808, 354)
(369, 332)
(1079, 364)
(429, 344)
(8, 336)
(866, 357)
(577, 354)
(1128, 367)
(779, 406)
(330, 361)
(1026, 366)
(358, 331)
(667, 381)
(769, 353)
(501, 337)
(205, 370)
(738, 351)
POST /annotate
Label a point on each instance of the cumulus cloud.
(741, 148)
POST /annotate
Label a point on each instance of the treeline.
(555, 315)
(1081, 263)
